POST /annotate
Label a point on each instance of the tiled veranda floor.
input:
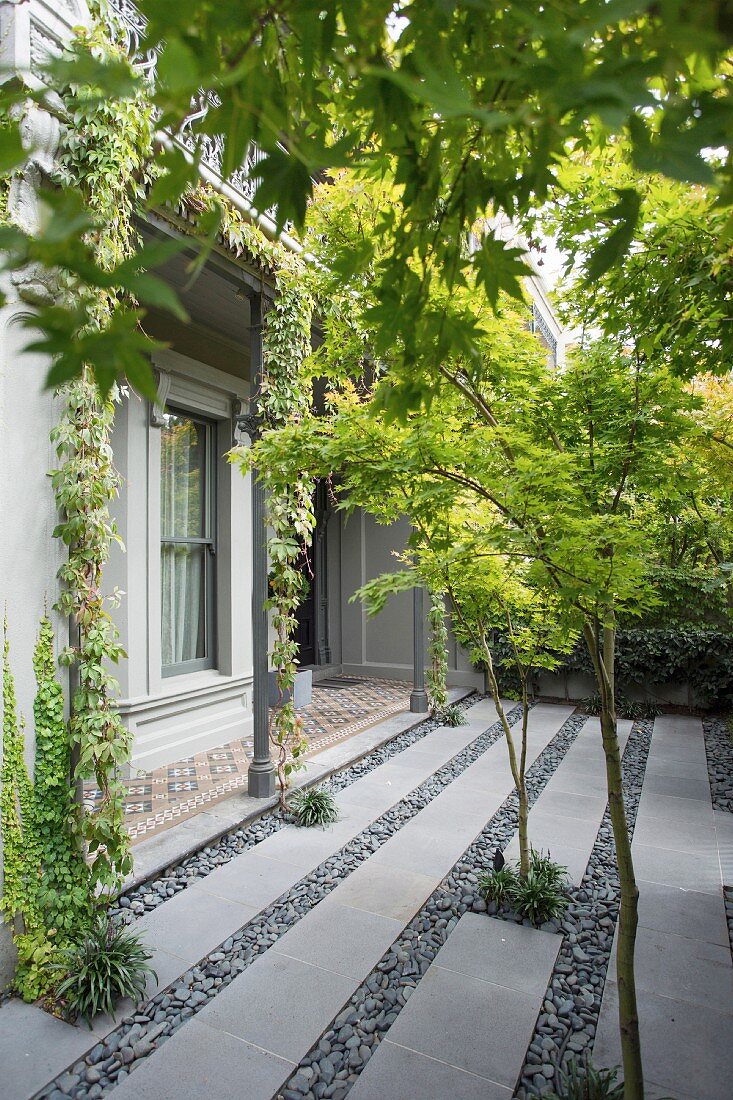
(158, 799)
(465, 1030)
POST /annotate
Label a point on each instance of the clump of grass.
(539, 896)
(452, 716)
(497, 886)
(583, 1082)
(105, 963)
(314, 806)
(636, 710)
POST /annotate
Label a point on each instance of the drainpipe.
(418, 696)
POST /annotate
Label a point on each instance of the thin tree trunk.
(516, 770)
(604, 665)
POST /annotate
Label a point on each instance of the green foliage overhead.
(677, 252)
(472, 109)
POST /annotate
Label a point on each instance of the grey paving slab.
(678, 786)
(476, 1007)
(687, 1048)
(501, 952)
(337, 937)
(192, 923)
(429, 851)
(396, 1073)
(279, 1004)
(696, 811)
(472, 797)
(250, 878)
(679, 967)
(34, 1047)
(204, 1063)
(724, 839)
(683, 912)
(569, 779)
(679, 724)
(445, 742)
(698, 871)
(555, 829)
(663, 766)
(680, 751)
(468, 1023)
(667, 833)
(588, 807)
(388, 783)
(387, 891)
(306, 848)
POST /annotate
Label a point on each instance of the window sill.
(187, 686)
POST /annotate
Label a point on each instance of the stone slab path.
(192, 923)
(287, 998)
(684, 974)
(566, 817)
(465, 1030)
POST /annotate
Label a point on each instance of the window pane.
(183, 602)
(182, 478)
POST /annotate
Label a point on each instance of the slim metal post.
(261, 774)
(418, 696)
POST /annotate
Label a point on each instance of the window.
(187, 544)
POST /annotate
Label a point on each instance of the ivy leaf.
(616, 244)
(500, 267)
(113, 77)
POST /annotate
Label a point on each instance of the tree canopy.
(471, 109)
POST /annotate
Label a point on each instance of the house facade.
(192, 572)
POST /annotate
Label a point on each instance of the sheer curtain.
(182, 503)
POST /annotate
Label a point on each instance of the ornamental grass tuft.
(105, 963)
(538, 897)
(452, 716)
(314, 806)
(583, 1082)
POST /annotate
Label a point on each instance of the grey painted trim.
(210, 570)
(261, 774)
(455, 677)
(418, 696)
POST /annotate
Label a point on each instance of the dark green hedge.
(701, 658)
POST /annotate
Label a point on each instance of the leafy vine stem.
(436, 673)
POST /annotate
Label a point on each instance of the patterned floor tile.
(161, 798)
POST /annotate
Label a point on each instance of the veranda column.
(418, 697)
(261, 774)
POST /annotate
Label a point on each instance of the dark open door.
(311, 634)
(305, 634)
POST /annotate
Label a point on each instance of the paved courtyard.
(360, 960)
(159, 799)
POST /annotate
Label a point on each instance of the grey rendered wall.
(382, 646)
